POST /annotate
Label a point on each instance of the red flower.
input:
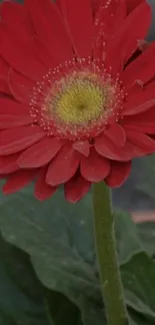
(77, 104)
(131, 4)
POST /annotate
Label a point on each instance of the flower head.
(77, 93)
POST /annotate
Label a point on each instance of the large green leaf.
(21, 300)
(139, 319)
(128, 241)
(61, 309)
(92, 313)
(138, 276)
(6, 319)
(146, 232)
(58, 237)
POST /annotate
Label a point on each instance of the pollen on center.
(76, 100)
(80, 102)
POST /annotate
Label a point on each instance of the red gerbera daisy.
(78, 96)
(130, 4)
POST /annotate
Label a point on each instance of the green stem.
(112, 289)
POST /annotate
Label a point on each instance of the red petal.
(107, 20)
(140, 101)
(3, 176)
(116, 134)
(94, 168)
(139, 119)
(18, 180)
(142, 46)
(43, 54)
(148, 127)
(40, 153)
(107, 149)
(42, 190)
(146, 118)
(63, 166)
(132, 4)
(76, 188)
(15, 18)
(8, 164)
(9, 106)
(142, 69)
(13, 114)
(7, 122)
(79, 21)
(141, 108)
(4, 72)
(125, 40)
(119, 173)
(11, 12)
(95, 5)
(82, 147)
(142, 141)
(14, 140)
(135, 89)
(49, 27)
(18, 50)
(21, 88)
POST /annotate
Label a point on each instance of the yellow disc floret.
(81, 102)
(76, 100)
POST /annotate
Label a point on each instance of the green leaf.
(128, 241)
(61, 309)
(138, 276)
(146, 231)
(139, 319)
(146, 183)
(59, 238)
(21, 300)
(92, 313)
(29, 302)
(6, 319)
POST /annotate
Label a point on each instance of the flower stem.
(111, 285)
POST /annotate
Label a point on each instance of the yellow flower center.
(76, 100)
(80, 102)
